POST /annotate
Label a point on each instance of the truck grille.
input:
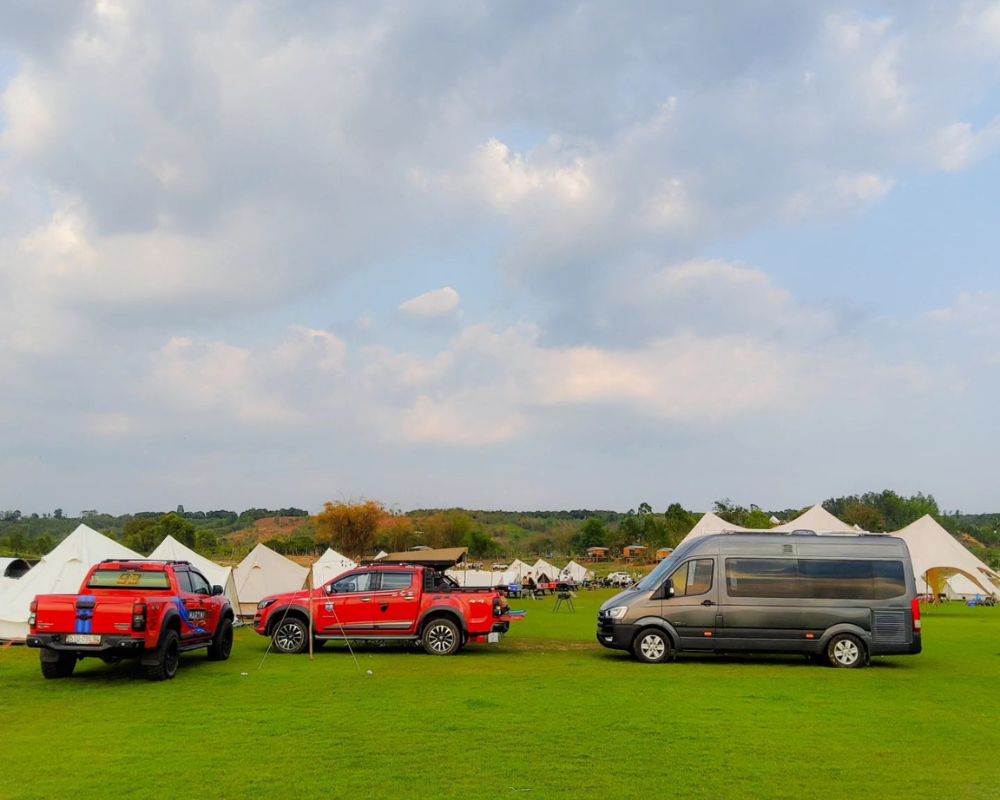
(889, 626)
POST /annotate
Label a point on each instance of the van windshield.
(664, 568)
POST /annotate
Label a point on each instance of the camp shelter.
(542, 569)
(710, 523)
(816, 519)
(329, 566)
(476, 577)
(663, 552)
(576, 573)
(439, 559)
(634, 551)
(59, 572)
(264, 572)
(598, 553)
(938, 556)
(517, 572)
(172, 550)
(11, 570)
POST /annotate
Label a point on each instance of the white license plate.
(492, 638)
(83, 638)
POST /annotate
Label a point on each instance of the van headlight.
(618, 612)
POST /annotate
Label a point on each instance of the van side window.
(693, 577)
(762, 577)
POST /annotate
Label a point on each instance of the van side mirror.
(216, 590)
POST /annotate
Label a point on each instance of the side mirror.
(669, 587)
(329, 589)
(216, 590)
(665, 592)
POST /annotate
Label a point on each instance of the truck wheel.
(441, 637)
(652, 646)
(62, 668)
(845, 651)
(290, 636)
(222, 642)
(170, 658)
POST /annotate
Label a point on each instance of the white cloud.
(437, 303)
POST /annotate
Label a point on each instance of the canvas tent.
(816, 519)
(330, 565)
(264, 572)
(576, 573)
(937, 557)
(710, 523)
(475, 577)
(543, 567)
(172, 550)
(516, 572)
(11, 569)
(59, 572)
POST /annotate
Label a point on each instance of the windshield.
(664, 568)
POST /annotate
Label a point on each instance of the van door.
(694, 605)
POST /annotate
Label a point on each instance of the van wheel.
(845, 651)
(652, 646)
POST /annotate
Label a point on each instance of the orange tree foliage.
(349, 527)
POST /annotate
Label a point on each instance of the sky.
(498, 255)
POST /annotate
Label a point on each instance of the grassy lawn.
(548, 713)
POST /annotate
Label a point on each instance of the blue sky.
(487, 255)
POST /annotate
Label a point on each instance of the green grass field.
(548, 713)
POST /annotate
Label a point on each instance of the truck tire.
(845, 651)
(441, 637)
(290, 636)
(170, 656)
(62, 668)
(222, 642)
(652, 646)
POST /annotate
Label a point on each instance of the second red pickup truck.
(385, 603)
(150, 610)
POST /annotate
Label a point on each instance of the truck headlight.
(265, 603)
(618, 612)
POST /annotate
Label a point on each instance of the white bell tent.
(59, 572)
(264, 572)
(172, 550)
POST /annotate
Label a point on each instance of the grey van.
(840, 598)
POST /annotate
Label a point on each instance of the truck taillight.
(34, 614)
(139, 617)
(915, 608)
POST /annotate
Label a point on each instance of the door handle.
(366, 599)
(407, 596)
(707, 603)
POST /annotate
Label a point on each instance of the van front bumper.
(614, 636)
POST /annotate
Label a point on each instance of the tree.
(58, 513)
(139, 534)
(678, 522)
(178, 527)
(349, 527)
(592, 534)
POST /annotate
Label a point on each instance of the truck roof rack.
(144, 560)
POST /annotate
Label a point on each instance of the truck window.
(693, 577)
(357, 582)
(199, 583)
(128, 579)
(184, 580)
(762, 577)
(394, 581)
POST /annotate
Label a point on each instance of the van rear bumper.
(616, 637)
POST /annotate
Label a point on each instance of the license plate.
(83, 638)
(492, 638)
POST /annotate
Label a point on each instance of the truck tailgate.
(84, 614)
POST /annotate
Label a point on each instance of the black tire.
(62, 668)
(652, 646)
(290, 636)
(222, 643)
(169, 658)
(441, 637)
(846, 651)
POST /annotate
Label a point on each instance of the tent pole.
(309, 584)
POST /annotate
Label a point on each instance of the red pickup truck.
(385, 603)
(150, 610)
